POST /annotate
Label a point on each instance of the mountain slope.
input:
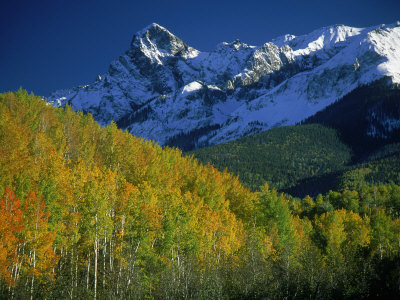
(283, 156)
(355, 139)
(304, 160)
(167, 91)
(366, 118)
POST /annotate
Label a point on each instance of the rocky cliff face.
(164, 90)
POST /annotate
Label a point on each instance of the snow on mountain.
(167, 91)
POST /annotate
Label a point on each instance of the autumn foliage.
(91, 212)
(11, 224)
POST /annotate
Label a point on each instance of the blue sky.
(47, 45)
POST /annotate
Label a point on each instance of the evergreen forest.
(327, 151)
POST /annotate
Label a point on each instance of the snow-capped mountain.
(167, 91)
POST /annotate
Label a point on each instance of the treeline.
(381, 167)
(303, 160)
(312, 157)
(364, 109)
(90, 212)
(282, 156)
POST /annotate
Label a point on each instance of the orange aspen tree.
(11, 224)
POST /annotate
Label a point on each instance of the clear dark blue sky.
(51, 44)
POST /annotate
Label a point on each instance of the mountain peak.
(153, 27)
(154, 36)
(164, 90)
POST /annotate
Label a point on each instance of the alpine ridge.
(164, 90)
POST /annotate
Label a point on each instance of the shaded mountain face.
(366, 118)
(164, 90)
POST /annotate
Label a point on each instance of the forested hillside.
(91, 212)
(281, 156)
(366, 118)
(306, 159)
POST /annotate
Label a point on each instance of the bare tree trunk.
(104, 260)
(121, 243)
(95, 261)
(33, 276)
(72, 274)
(88, 272)
(76, 272)
(34, 252)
